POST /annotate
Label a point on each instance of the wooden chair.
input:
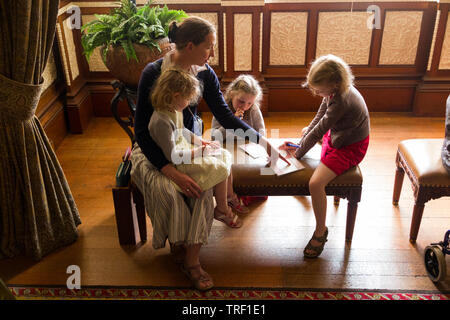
(421, 160)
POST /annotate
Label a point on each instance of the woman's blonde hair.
(173, 81)
(192, 29)
(244, 83)
(330, 70)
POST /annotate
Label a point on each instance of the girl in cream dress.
(203, 160)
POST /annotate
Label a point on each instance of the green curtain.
(37, 211)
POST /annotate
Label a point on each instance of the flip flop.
(234, 222)
(200, 282)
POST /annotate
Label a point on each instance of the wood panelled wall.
(402, 66)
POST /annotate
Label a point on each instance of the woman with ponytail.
(184, 218)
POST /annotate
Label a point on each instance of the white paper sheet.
(280, 167)
(254, 150)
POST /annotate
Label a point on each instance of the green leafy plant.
(127, 25)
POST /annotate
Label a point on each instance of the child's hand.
(239, 113)
(288, 146)
(211, 144)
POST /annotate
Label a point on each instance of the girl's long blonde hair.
(330, 70)
(173, 81)
(244, 83)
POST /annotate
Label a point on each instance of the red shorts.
(340, 160)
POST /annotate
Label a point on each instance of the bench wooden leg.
(399, 175)
(138, 200)
(415, 222)
(352, 207)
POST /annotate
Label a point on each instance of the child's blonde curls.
(173, 81)
(330, 70)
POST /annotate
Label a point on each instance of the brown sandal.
(199, 283)
(317, 249)
(234, 222)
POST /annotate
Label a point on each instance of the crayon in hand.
(292, 145)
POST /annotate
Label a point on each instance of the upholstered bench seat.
(422, 162)
(248, 180)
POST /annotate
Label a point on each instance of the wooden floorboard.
(267, 250)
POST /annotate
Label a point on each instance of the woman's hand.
(189, 187)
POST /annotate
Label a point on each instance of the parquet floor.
(267, 250)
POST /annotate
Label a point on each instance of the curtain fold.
(37, 211)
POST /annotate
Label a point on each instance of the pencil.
(292, 145)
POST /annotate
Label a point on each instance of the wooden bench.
(247, 180)
(422, 162)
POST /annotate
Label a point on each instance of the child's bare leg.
(220, 192)
(233, 199)
(230, 191)
(320, 178)
(222, 208)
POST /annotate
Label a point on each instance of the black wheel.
(435, 263)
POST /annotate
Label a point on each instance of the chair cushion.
(423, 157)
(248, 174)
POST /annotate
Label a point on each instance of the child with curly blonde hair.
(343, 123)
(203, 160)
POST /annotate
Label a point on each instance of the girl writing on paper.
(343, 122)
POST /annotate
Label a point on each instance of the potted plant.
(130, 37)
